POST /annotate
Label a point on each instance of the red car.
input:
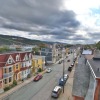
(38, 77)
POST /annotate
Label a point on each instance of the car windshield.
(65, 75)
(54, 91)
(61, 79)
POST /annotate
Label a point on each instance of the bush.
(39, 70)
(7, 88)
(14, 82)
(28, 76)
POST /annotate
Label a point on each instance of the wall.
(1, 73)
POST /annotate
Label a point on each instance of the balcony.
(5, 75)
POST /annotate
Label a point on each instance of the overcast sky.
(69, 21)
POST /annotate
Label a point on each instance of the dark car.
(62, 82)
(68, 60)
(37, 78)
(56, 92)
(70, 68)
(60, 62)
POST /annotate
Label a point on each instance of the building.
(86, 84)
(1, 79)
(51, 54)
(26, 64)
(37, 62)
(14, 66)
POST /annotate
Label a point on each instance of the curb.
(23, 84)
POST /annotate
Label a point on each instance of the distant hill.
(9, 40)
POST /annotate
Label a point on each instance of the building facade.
(37, 62)
(14, 66)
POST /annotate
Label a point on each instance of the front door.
(0, 84)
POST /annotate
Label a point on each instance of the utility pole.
(73, 55)
(63, 69)
(63, 73)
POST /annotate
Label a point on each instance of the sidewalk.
(67, 95)
(3, 95)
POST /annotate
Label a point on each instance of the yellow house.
(37, 63)
(67, 51)
(17, 73)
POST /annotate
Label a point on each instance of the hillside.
(8, 40)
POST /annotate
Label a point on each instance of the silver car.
(56, 92)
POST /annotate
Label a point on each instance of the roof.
(22, 55)
(94, 64)
(5, 57)
(56, 88)
(87, 52)
(81, 78)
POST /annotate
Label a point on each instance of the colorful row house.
(38, 62)
(14, 66)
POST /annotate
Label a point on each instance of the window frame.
(10, 79)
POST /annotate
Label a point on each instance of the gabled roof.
(3, 59)
(22, 55)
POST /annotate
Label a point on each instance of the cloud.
(38, 17)
(51, 20)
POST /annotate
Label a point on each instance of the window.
(5, 70)
(30, 56)
(5, 81)
(17, 66)
(10, 61)
(10, 69)
(17, 58)
(10, 79)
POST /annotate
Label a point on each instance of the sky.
(66, 21)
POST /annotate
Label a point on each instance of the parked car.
(68, 60)
(48, 70)
(74, 61)
(56, 91)
(70, 68)
(66, 76)
(62, 82)
(37, 78)
(72, 65)
(60, 62)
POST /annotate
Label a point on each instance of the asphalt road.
(42, 89)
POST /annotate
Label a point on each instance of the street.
(42, 89)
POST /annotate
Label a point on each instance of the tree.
(98, 45)
(3, 49)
